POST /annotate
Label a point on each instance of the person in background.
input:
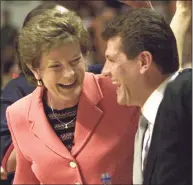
(187, 46)
(8, 34)
(183, 12)
(142, 59)
(98, 25)
(71, 117)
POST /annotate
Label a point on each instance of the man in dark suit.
(142, 59)
(170, 155)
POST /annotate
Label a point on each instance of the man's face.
(123, 72)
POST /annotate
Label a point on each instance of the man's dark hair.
(145, 30)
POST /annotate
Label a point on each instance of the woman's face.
(62, 71)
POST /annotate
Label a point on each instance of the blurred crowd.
(94, 14)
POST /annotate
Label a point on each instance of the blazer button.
(73, 164)
(77, 183)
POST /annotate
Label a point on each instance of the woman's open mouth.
(67, 85)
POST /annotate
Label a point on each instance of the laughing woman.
(70, 129)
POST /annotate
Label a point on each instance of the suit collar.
(185, 70)
(150, 108)
(88, 117)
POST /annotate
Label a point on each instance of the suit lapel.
(87, 119)
(148, 172)
(152, 155)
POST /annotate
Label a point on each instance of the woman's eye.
(76, 61)
(55, 66)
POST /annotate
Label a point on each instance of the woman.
(70, 130)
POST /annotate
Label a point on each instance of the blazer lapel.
(87, 119)
(41, 127)
(89, 114)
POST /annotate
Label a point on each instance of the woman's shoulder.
(105, 83)
(100, 80)
(20, 106)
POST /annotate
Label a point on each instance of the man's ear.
(34, 71)
(145, 59)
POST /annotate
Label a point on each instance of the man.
(141, 59)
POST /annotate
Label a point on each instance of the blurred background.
(93, 13)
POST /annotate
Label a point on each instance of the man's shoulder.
(178, 94)
(182, 83)
(105, 83)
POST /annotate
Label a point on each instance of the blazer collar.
(88, 117)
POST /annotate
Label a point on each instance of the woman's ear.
(145, 59)
(34, 71)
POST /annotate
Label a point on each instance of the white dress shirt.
(149, 111)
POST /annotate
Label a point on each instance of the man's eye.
(109, 60)
(112, 61)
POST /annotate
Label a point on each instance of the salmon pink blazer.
(103, 140)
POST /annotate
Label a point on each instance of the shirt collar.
(150, 108)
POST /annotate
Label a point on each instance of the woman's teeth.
(67, 84)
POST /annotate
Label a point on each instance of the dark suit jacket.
(170, 155)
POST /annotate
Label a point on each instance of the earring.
(39, 82)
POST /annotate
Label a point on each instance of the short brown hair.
(145, 30)
(46, 30)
